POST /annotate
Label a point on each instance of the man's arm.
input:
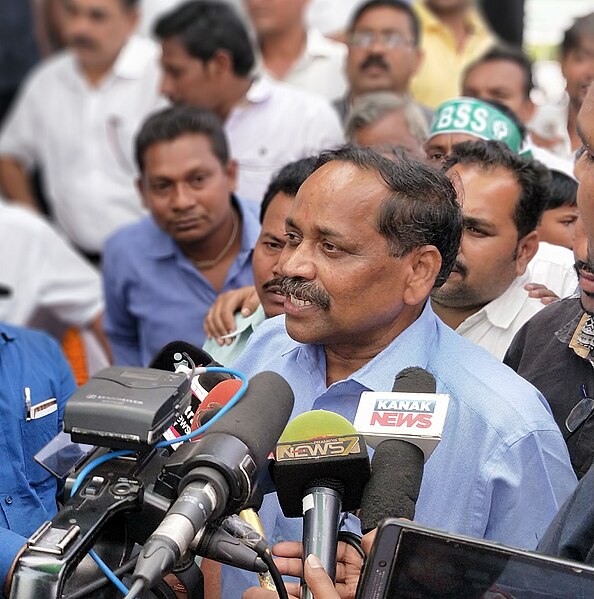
(527, 485)
(15, 183)
(120, 324)
(11, 547)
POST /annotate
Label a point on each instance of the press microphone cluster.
(172, 503)
(218, 473)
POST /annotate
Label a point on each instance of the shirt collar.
(164, 246)
(317, 45)
(502, 310)
(243, 323)
(260, 90)
(379, 373)
(578, 333)
(7, 334)
(474, 22)
(133, 58)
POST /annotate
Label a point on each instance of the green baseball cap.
(476, 118)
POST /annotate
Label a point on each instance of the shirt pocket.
(35, 435)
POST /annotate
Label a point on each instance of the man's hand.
(318, 581)
(220, 320)
(289, 562)
(541, 292)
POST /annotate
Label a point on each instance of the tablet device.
(409, 561)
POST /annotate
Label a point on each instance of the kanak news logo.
(403, 413)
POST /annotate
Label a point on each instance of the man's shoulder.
(47, 70)
(29, 339)
(287, 95)
(134, 237)
(17, 221)
(554, 316)
(490, 390)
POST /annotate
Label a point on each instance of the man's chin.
(587, 302)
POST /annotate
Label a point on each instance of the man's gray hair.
(370, 108)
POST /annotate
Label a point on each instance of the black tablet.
(409, 561)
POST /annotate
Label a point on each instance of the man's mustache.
(460, 268)
(273, 285)
(374, 60)
(583, 266)
(305, 290)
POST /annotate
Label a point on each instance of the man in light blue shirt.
(367, 240)
(162, 274)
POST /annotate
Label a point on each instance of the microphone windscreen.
(260, 416)
(316, 424)
(414, 380)
(393, 489)
(172, 353)
(214, 401)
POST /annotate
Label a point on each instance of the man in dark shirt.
(555, 349)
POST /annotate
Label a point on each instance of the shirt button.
(8, 499)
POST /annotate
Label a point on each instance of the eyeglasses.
(580, 412)
(387, 39)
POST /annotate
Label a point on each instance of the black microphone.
(217, 474)
(320, 470)
(397, 465)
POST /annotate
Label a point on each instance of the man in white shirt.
(208, 63)
(76, 118)
(293, 53)
(484, 299)
(45, 283)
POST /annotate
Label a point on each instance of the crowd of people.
(334, 207)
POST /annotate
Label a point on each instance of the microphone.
(400, 459)
(320, 470)
(412, 412)
(216, 543)
(214, 402)
(218, 473)
(180, 356)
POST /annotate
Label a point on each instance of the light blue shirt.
(501, 470)
(155, 295)
(244, 327)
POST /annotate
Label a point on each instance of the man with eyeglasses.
(384, 54)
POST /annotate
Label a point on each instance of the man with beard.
(366, 241)
(227, 329)
(383, 52)
(556, 125)
(484, 298)
(76, 118)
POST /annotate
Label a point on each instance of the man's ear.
(425, 266)
(527, 248)
(232, 172)
(140, 186)
(220, 63)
